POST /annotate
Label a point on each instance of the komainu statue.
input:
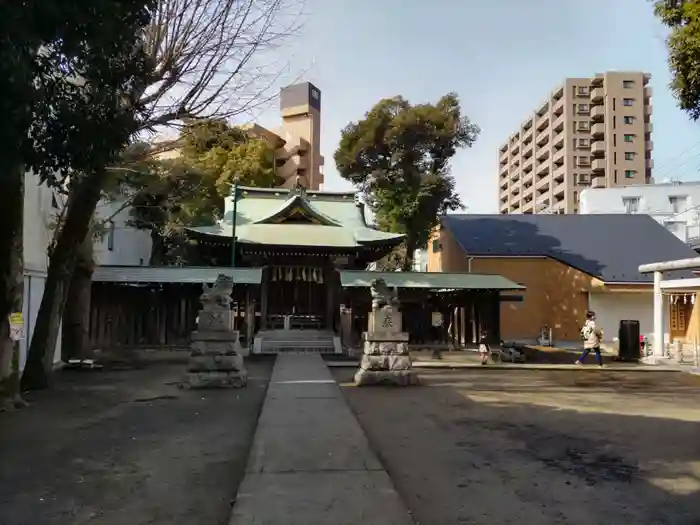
(382, 295)
(218, 295)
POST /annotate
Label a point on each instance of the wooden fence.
(143, 316)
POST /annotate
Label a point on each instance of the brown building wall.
(556, 295)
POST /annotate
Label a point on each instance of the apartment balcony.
(649, 145)
(542, 201)
(598, 113)
(503, 156)
(558, 124)
(542, 122)
(542, 169)
(598, 182)
(527, 165)
(598, 147)
(558, 140)
(515, 176)
(292, 166)
(527, 151)
(515, 149)
(598, 165)
(558, 107)
(648, 92)
(559, 174)
(527, 178)
(542, 154)
(597, 94)
(559, 156)
(542, 137)
(504, 185)
(542, 183)
(648, 127)
(559, 189)
(598, 129)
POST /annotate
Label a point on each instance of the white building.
(40, 209)
(121, 244)
(676, 205)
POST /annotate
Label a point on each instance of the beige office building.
(590, 132)
(297, 141)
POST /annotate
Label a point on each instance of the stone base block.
(215, 348)
(385, 362)
(386, 335)
(217, 379)
(385, 348)
(216, 362)
(386, 377)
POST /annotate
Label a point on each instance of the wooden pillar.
(496, 317)
(459, 315)
(330, 297)
(263, 298)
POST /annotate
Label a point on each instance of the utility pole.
(234, 195)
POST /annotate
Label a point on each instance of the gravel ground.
(128, 448)
(585, 447)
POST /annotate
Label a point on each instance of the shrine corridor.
(310, 463)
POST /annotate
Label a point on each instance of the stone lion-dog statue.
(382, 295)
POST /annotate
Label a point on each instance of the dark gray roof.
(607, 246)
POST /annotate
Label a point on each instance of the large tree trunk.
(75, 335)
(11, 281)
(82, 201)
(157, 248)
(411, 245)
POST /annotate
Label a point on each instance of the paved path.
(310, 462)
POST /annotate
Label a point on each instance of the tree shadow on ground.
(479, 447)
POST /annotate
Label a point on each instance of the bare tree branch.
(213, 57)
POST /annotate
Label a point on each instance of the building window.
(629, 138)
(584, 161)
(629, 155)
(110, 236)
(677, 228)
(582, 143)
(627, 101)
(629, 120)
(678, 203)
(631, 204)
(630, 174)
(437, 247)
(627, 84)
(583, 90)
(583, 108)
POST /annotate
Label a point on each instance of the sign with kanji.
(16, 326)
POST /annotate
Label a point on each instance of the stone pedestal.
(216, 355)
(385, 358)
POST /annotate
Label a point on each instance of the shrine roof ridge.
(253, 191)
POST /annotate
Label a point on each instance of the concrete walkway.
(310, 462)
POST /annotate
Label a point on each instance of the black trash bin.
(628, 336)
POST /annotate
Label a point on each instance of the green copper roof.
(330, 219)
(430, 280)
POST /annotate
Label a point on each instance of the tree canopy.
(683, 43)
(167, 194)
(398, 156)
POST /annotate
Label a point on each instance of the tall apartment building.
(590, 132)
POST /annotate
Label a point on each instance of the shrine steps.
(297, 342)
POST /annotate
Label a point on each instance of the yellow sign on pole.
(16, 326)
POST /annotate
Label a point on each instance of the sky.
(502, 57)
